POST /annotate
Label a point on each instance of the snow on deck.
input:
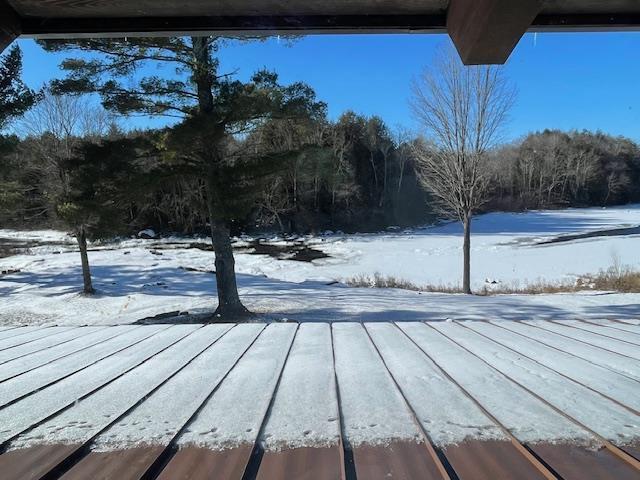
(274, 398)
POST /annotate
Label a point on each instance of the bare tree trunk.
(81, 236)
(466, 247)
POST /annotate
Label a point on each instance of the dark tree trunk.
(229, 305)
(466, 248)
(81, 236)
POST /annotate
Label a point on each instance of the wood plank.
(605, 331)
(34, 462)
(45, 343)
(29, 335)
(581, 405)
(119, 464)
(447, 415)
(22, 365)
(10, 25)
(498, 395)
(305, 413)
(578, 463)
(18, 387)
(490, 460)
(81, 423)
(609, 344)
(400, 460)
(34, 409)
(625, 327)
(367, 395)
(487, 31)
(305, 463)
(307, 390)
(632, 449)
(613, 361)
(4, 330)
(616, 387)
(189, 391)
(193, 463)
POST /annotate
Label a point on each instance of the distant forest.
(352, 174)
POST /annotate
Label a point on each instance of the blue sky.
(567, 81)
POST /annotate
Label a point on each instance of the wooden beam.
(10, 25)
(487, 31)
(232, 25)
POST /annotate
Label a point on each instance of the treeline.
(553, 169)
(351, 174)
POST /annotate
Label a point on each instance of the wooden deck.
(450, 400)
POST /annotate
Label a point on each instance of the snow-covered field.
(138, 278)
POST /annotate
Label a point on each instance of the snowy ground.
(141, 278)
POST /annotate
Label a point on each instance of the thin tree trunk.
(466, 247)
(81, 236)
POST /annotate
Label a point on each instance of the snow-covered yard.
(140, 278)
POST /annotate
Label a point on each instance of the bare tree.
(462, 109)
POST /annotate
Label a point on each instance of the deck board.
(119, 464)
(405, 400)
(45, 343)
(34, 462)
(440, 406)
(593, 411)
(401, 460)
(35, 408)
(307, 390)
(193, 463)
(31, 335)
(80, 424)
(305, 463)
(574, 463)
(35, 360)
(490, 460)
(625, 327)
(591, 338)
(606, 331)
(361, 377)
(38, 379)
(175, 403)
(597, 356)
(616, 387)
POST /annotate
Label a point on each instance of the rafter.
(487, 31)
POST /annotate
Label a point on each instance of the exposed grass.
(381, 281)
(615, 279)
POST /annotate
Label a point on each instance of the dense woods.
(353, 174)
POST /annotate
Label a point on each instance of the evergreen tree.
(212, 106)
(15, 97)
(101, 180)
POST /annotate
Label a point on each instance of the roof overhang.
(484, 31)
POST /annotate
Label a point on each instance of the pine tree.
(15, 97)
(213, 108)
(102, 177)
